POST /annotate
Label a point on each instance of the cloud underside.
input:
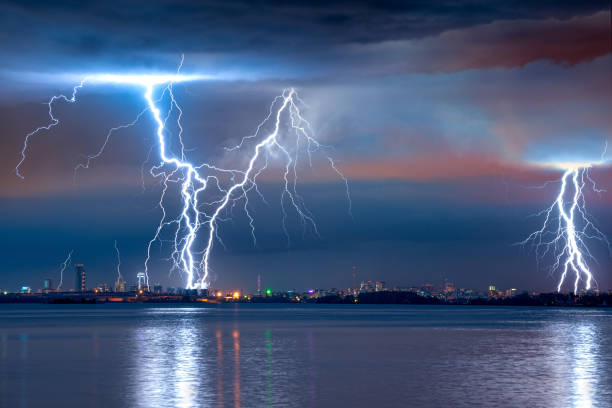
(404, 92)
(288, 39)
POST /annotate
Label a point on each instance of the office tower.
(120, 284)
(79, 281)
(142, 282)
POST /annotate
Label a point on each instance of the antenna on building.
(259, 284)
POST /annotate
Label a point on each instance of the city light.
(368, 292)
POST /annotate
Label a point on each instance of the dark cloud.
(61, 34)
(497, 44)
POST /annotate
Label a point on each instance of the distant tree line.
(411, 298)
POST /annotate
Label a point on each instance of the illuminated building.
(79, 278)
(367, 286)
(102, 288)
(120, 284)
(427, 288)
(47, 285)
(142, 281)
(26, 290)
(380, 286)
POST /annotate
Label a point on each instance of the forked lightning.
(284, 133)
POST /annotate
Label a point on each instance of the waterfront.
(303, 355)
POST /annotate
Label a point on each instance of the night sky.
(442, 116)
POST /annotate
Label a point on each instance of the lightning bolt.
(63, 266)
(119, 277)
(195, 229)
(52, 123)
(567, 227)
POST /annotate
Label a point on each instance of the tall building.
(142, 281)
(381, 286)
(80, 278)
(367, 286)
(120, 284)
(48, 285)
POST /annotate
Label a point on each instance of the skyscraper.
(142, 284)
(48, 285)
(120, 284)
(79, 282)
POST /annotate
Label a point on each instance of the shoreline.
(374, 298)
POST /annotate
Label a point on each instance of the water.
(303, 356)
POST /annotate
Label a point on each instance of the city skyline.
(367, 292)
(138, 284)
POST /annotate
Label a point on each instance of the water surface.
(303, 356)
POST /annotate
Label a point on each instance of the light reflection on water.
(584, 356)
(219, 372)
(237, 398)
(253, 356)
(167, 359)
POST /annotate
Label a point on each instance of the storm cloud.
(441, 114)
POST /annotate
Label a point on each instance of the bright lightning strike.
(63, 266)
(284, 133)
(567, 226)
(119, 277)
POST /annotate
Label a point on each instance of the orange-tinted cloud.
(508, 43)
(516, 43)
